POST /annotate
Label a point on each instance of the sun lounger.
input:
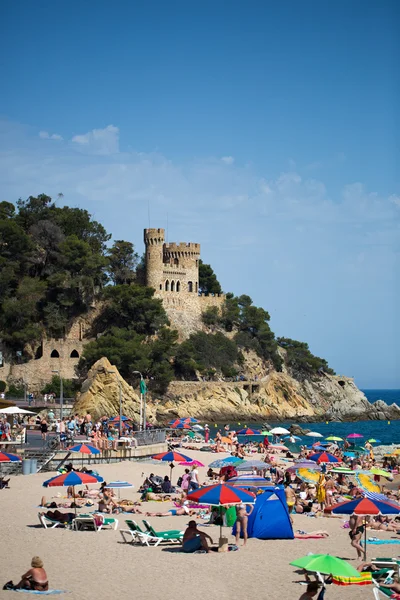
(136, 534)
(50, 523)
(173, 535)
(381, 592)
(91, 521)
(387, 563)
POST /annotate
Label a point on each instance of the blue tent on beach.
(270, 518)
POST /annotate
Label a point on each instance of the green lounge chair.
(136, 535)
(173, 535)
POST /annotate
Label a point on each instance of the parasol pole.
(365, 538)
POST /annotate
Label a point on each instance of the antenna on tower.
(167, 229)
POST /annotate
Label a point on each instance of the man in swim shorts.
(194, 540)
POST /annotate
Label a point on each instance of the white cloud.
(45, 135)
(395, 200)
(228, 160)
(99, 141)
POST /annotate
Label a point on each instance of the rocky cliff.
(276, 396)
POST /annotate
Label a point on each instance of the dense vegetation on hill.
(56, 261)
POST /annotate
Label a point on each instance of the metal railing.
(150, 436)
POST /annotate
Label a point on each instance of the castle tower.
(154, 242)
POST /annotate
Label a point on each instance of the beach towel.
(362, 579)
(304, 536)
(377, 542)
(47, 593)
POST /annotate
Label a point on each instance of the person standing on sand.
(290, 497)
(242, 517)
(356, 526)
(321, 491)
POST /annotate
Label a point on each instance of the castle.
(172, 270)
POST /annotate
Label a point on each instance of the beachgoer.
(241, 521)
(166, 485)
(312, 591)
(185, 480)
(194, 479)
(35, 579)
(194, 540)
(356, 526)
(43, 428)
(174, 512)
(290, 497)
(321, 492)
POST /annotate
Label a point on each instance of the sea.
(387, 432)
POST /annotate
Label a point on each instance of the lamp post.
(120, 400)
(142, 417)
(61, 393)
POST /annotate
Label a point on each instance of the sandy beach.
(100, 566)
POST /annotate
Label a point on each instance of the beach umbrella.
(84, 449)
(245, 481)
(15, 410)
(221, 494)
(191, 463)
(344, 470)
(249, 465)
(316, 448)
(365, 482)
(198, 427)
(292, 437)
(225, 462)
(119, 485)
(279, 431)
(249, 432)
(171, 457)
(374, 441)
(334, 438)
(304, 464)
(381, 472)
(117, 419)
(325, 564)
(267, 433)
(6, 457)
(279, 447)
(314, 434)
(181, 425)
(308, 475)
(354, 436)
(72, 478)
(189, 420)
(325, 457)
(364, 507)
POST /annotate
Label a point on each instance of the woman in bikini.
(241, 521)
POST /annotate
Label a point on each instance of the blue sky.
(266, 131)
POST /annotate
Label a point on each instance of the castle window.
(190, 286)
(176, 261)
(172, 286)
(197, 287)
(197, 263)
(178, 286)
(167, 286)
(39, 352)
(54, 354)
(74, 354)
(160, 286)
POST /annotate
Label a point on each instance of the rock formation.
(276, 397)
(100, 394)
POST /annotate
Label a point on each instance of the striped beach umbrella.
(6, 457)
(249, 481)
(308, 475)
(72, 479)
(325, 457)
(249, 431)
(171, 457)
(365, 482)
(364, 507)
(84, 449)
(225, 462)
(221, 494)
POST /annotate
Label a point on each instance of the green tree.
(123, 261)
(19, 318)
(205, 353)
(211, 316)
(208, 282)
(301, 362)
(70, 387)
(34, 209)
(7, 210)
(132, 307)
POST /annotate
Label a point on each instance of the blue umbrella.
(293, 437)
(119, 484)
(225, 462)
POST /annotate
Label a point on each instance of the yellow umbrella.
(396, 452)
(366, 483)
(382, 472)
(308, 475)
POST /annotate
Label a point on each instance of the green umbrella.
(373, 441)
(326, 564)
(334, 438)
(382, 472)
(268, 433)
(342, 470)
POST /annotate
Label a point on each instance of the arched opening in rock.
(39, 352)
(342, 383)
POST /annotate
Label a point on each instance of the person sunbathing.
(174, 512)
(395, 586)
(57, 515)
(35, 579)
(303, 535)
(76, 503)
(107, 504)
